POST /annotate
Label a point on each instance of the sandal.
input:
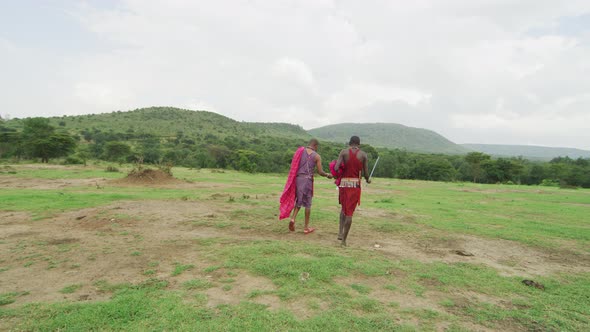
(292, 225)
(308, 230)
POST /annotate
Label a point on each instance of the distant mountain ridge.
(528, 151)
(390, 135)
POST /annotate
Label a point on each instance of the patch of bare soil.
(116, 244)
(27, 183)
(50, 166)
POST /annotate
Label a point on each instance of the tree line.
(39, 139)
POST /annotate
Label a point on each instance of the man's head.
(313, 143)
(354, 140)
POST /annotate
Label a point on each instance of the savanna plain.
(85, 249)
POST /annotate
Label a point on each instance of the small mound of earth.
(148, 176)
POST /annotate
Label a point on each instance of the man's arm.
(318, 163)
(340, 160)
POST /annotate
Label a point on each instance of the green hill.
(169, 121)
(528, 151)
(390, 135)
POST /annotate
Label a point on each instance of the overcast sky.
(476, 71)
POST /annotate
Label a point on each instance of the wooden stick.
(370, 176)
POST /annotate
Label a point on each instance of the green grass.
(149, 272)
(197, 284)
(146, 308)
(212, 268)
(70, 289)
(390, 287)
(362, 289)
(536, 216)
(8, 298)
(179, 269)
(545, 218)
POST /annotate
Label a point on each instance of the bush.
(549, 183)
(112, 169)
(72, 160)
(565, 185)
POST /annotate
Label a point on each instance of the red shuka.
(350, 187)
(287, 200)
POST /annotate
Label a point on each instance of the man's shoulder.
(363, 154)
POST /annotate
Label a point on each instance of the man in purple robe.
(310, 159)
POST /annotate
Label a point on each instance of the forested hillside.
(169, 121)
(390, 135)
(528, 151)
(207, 140)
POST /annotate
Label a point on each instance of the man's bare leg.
(295, 211)
(342, 220)
(292, 223)
(307, 215)
(347, 224)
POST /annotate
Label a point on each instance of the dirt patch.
(36, 183)
(62, 241)
(507, 257)
(10, 217)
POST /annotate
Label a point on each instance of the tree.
(219, 153)
(115, 151)
(475, 159)
(84, 153)
(41, 141)
(434, 168)
(54, 146)
(246, 160)
(9, 142)
(536, 174)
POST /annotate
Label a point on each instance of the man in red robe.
(355, 167)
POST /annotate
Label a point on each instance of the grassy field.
(82, 250)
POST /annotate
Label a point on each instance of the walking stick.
(371, 175)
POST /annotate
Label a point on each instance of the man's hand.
(368, 180)
(329, 176)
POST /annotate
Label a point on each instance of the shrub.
(549, 183)
(72, 160)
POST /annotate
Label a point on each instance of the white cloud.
(362, 94)
(294, 70)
